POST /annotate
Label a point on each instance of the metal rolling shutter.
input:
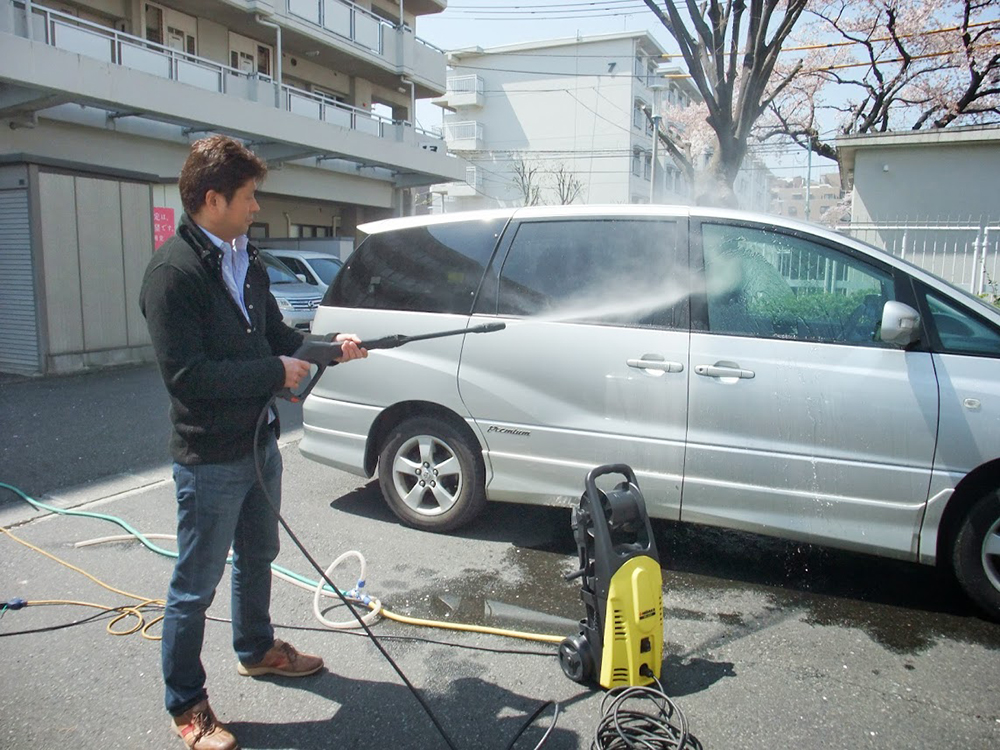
(18, 319)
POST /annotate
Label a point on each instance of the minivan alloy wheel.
(432, 477)
(426, 475)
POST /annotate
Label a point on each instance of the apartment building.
(100, 100)
(753, 185)
(799, 198)
(569, 120)
(559, 121)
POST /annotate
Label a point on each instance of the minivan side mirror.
(900, 324)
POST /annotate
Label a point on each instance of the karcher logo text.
(509, 431)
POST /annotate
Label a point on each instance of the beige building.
(807, 202)
(100, 100)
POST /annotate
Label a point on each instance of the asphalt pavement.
(767, 643)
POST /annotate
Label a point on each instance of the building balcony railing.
(344, 19)
(473, 184)
(350, 21)
(320, 107)
(108, 45)
(464, 136)
(463, 91)
(468, 188)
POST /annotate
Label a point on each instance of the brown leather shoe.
(200, 730)
(282, 659)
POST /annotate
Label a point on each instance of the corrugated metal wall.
(18, 318)
(97, 239)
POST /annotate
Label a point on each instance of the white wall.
(935, 181)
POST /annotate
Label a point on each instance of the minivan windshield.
(325, 268)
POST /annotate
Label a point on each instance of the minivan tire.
(976, 554)
(431, 450)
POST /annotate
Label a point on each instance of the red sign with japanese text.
(163, 225)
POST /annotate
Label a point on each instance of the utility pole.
(809, 178)
(652, 171)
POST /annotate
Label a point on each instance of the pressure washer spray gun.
(325, 353)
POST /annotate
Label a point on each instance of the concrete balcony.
(472, 186)
(72, 61)
(463, 92)
(464, 136)
(352, 31)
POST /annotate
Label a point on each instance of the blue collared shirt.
(235, 262)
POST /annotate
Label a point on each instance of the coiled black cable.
(627, 722)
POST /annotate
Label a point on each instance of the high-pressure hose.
(316, 566)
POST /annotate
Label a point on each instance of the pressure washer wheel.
(576, 659)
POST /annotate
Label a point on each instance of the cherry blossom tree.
(731, 49)
(879, 65)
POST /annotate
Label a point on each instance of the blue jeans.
(219, 505)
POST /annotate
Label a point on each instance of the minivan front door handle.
(655, 364)
(723, 370)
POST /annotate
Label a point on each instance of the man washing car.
(223, 352)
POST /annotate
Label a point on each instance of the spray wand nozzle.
(325, 353)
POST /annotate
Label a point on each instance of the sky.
(491, 23)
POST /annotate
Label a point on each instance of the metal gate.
(18, 316)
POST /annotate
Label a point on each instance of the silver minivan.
(756, 373)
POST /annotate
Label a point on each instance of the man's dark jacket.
(219, 369)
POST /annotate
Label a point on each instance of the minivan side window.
(614, 271)
(435, 268)
(958, 331)
(773, 285)
(297, 266)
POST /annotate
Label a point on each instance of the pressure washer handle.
(325, 353)
(599, 471)
(319, 353)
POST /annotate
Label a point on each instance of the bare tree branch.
(568, 185)
(526, 180)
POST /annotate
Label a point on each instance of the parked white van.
(756, 373)
(312, 267)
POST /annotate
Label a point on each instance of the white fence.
(965, 253)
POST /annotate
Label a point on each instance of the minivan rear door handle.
(648, 363)
(723, 370)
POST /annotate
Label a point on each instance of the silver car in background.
(311, 266)
(756, 373)
(296, 299)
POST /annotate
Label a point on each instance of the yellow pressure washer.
(621, 639)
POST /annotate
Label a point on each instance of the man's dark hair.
(217, 163)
